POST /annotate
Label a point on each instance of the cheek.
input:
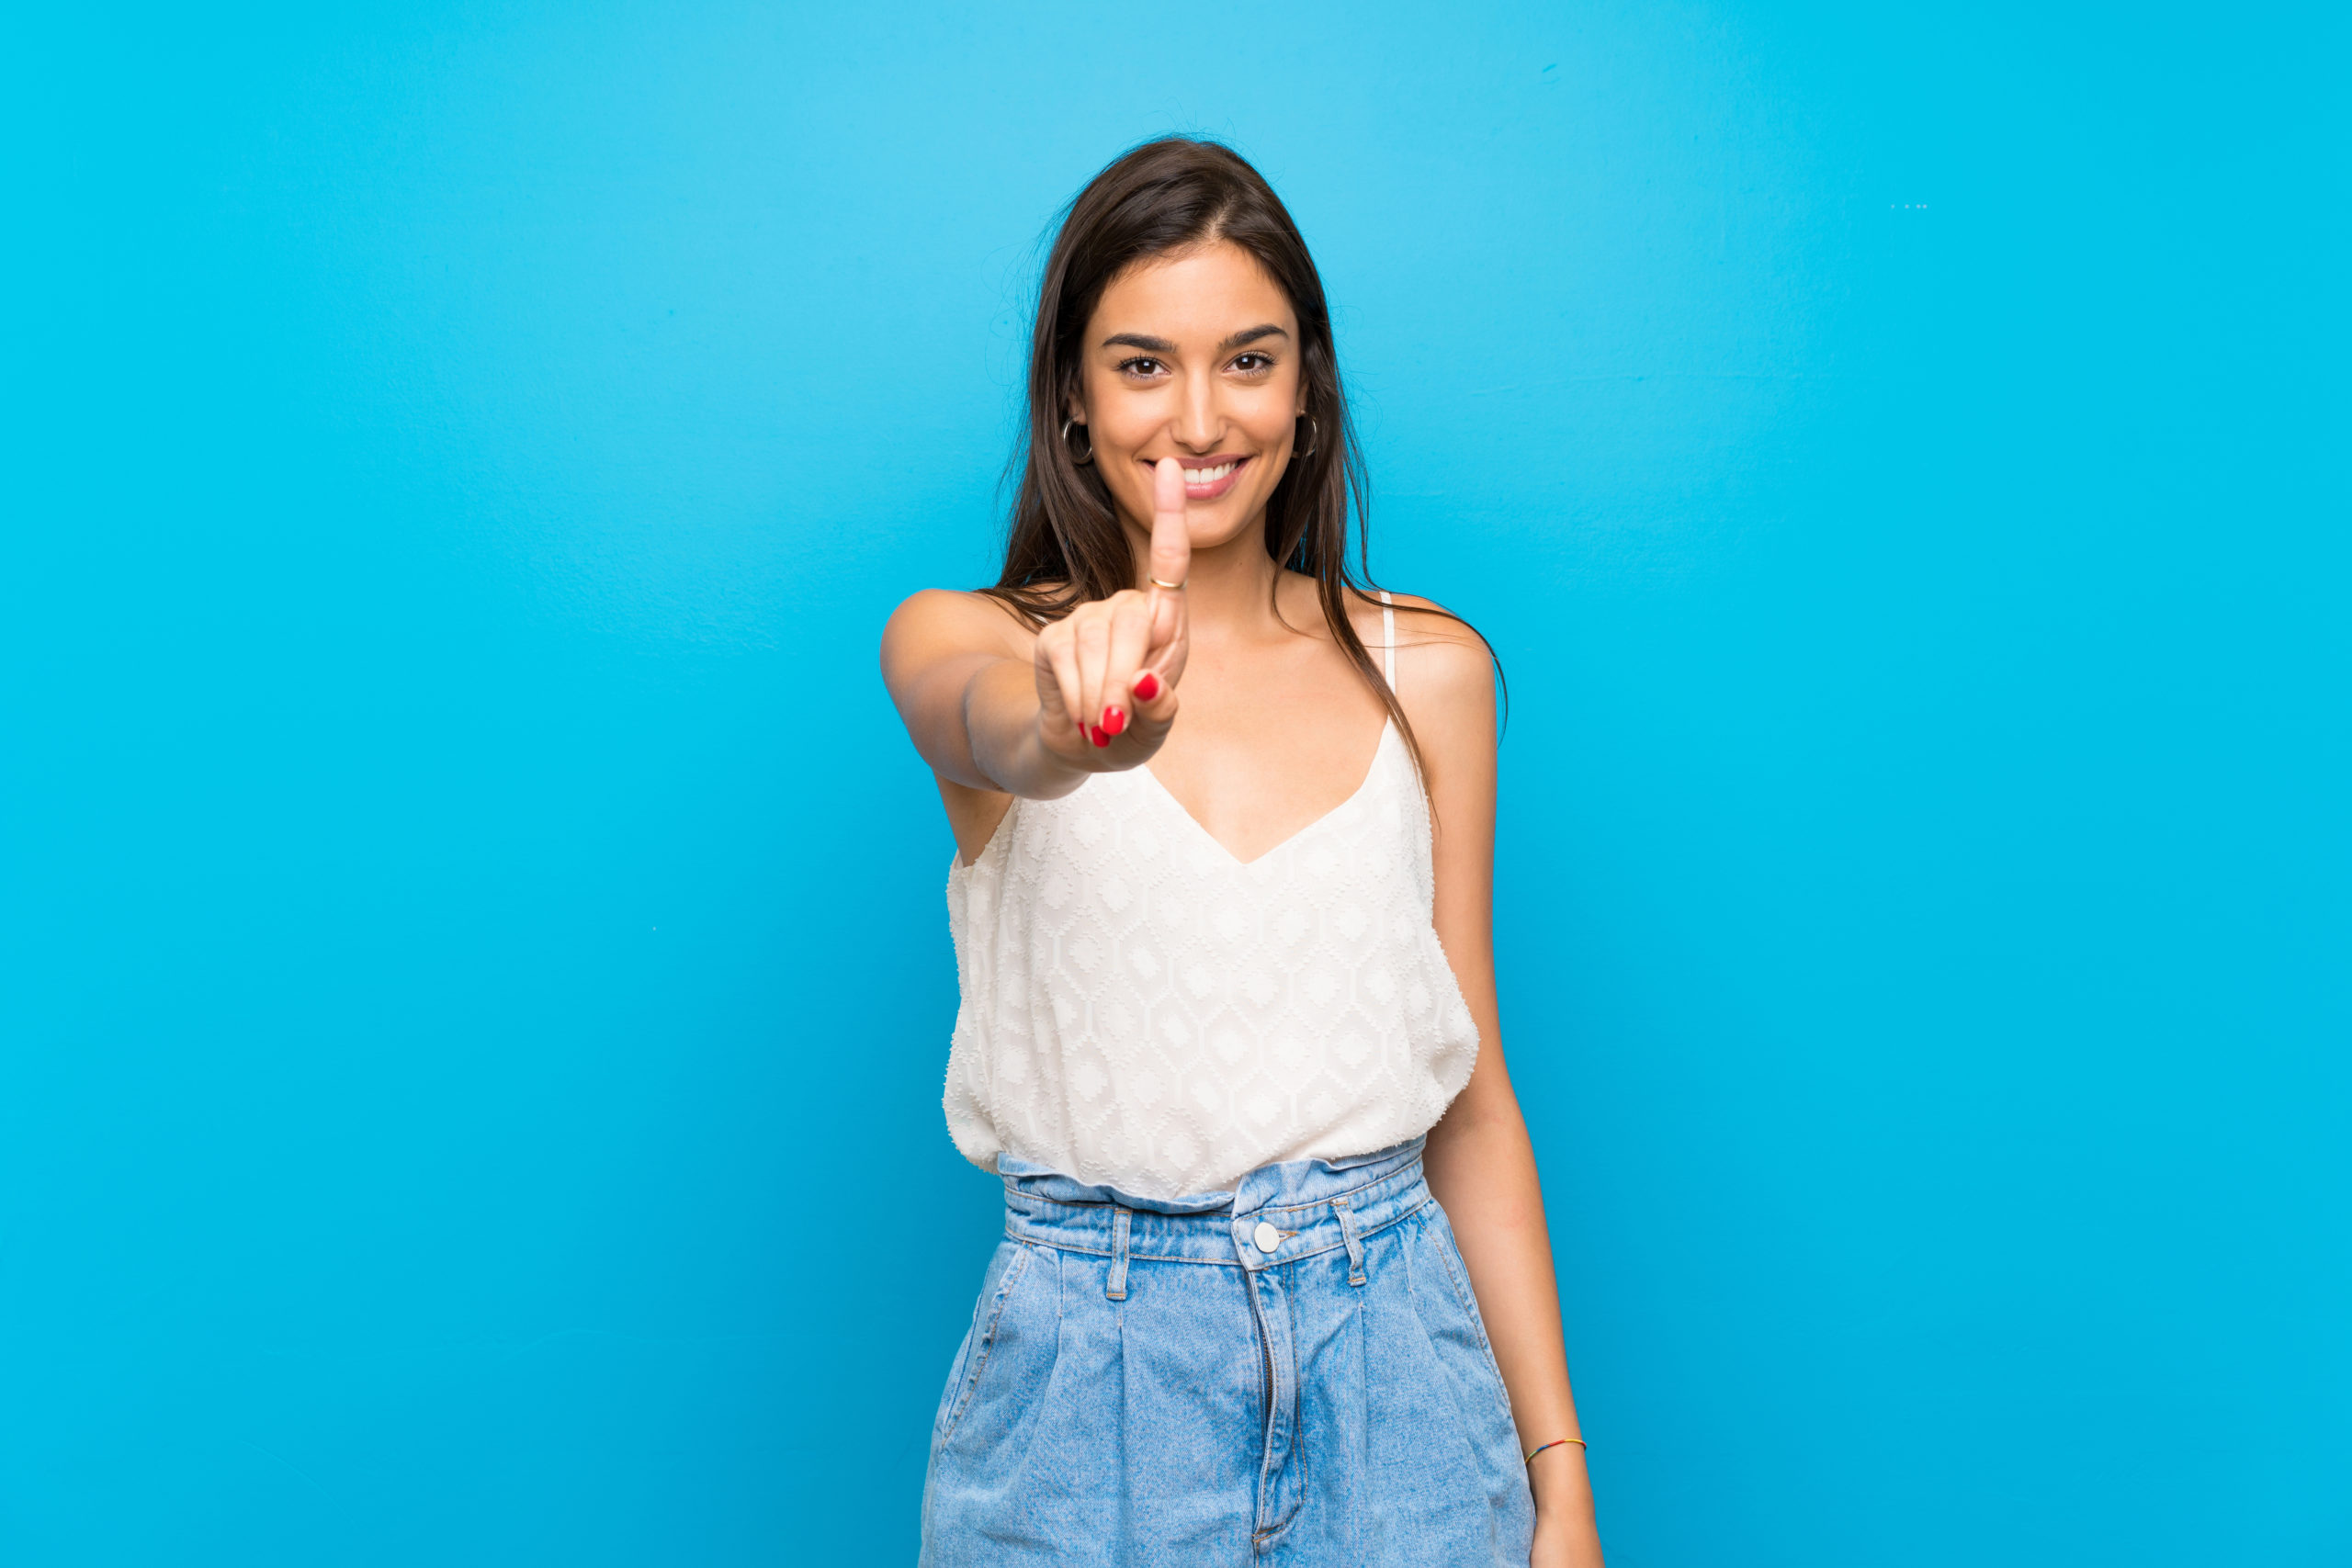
(1271, 423)
(1115, 459)
(1124, 423)
(1273, 412)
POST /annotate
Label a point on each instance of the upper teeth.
(1207, 476)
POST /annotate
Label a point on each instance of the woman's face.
(1194, 355)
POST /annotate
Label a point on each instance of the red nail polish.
(1114, 720)
(1147, 686)
(1095, 734)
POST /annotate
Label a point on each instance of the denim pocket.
(1004, 1271)
(1457, 1274)
(989, 1325)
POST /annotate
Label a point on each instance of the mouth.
(1205, 479)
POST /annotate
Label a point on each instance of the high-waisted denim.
(1293, 1372)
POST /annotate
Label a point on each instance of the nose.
(1198, 423)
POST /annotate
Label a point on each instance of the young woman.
(1275, 1286)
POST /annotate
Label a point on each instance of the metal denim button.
(1266, 1236)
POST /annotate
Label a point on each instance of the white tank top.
(1141, 1010)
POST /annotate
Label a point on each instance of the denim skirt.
(1293, 1372)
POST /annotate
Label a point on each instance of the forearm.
(1482, 1168)
(1004, 738)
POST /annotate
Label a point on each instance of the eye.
(1142, 365)
(1254, 362)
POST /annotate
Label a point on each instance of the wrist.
(1559, 1481)
(1063, 771)
(1021, 762)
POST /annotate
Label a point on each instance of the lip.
(1215, 488)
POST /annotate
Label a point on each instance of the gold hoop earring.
(1074, 457)
(1313, 437)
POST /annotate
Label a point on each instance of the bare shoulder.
(941, 621)
(1445, 683)
(1441, 657)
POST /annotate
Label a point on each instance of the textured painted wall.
(476, 987)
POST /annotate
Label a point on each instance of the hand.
(1107, 672)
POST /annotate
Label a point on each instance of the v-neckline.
(1370, 771)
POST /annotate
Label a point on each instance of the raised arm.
(995, 707)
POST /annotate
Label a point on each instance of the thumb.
(1171, 543)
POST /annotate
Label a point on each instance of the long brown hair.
(1066, 546)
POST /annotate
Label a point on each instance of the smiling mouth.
(1207, 481)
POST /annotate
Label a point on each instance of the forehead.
(1205, 291)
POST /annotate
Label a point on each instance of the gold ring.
(1171, 587)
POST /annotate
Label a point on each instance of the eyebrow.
(1161, 346)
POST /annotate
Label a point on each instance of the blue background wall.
(476, 983)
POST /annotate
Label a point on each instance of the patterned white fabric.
(1142, 1010)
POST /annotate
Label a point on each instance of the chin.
(1217, 532)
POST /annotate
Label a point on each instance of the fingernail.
(1094, 733)
(1147, 686)
(1113, 721)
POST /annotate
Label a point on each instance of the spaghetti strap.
(1388, 639)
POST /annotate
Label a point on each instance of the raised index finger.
(1172, 545)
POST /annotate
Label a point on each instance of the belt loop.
(1347, 1214)
(1120, 1220)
